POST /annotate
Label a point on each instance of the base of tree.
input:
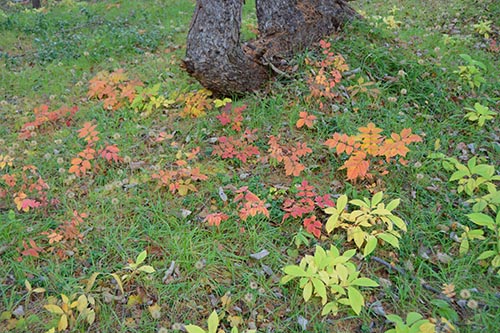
(216, 58)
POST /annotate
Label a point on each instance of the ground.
(131, 200)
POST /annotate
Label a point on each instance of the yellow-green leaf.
(194, 329)
(213, 322)
(141, 257)
(307, 292)
(370, 245)
(377, 198)
(341, 203)
(52, 308)
(356, 300)
(146, 269)
(320, 289)
(27, 284)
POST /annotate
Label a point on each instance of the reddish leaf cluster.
(66, 235)
(288, 155)
(26, 188)
(305, 202)
(249, 204)
(240, 148)
(370, 146)
(233, 117)
(114, 89)
(43, 116)
(329, 73)
(215, 219)
(82, 164)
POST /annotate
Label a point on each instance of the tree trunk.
(216, 58)
(36, 3)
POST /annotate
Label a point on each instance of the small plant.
(483, 28)
(195, 103)
(288, 154)
(479, 113)
(363, 87)
(66, 310)
(414, 323)
(471, 72)
(148, 100)
(331, 277)
(493, 226)
(135, 268)
(473, 177)
(365, 226)
(115, 89)
(475, 180)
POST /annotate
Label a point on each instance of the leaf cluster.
(372, 222)
(369, 147)
(332, 277)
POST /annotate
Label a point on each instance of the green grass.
(49, 56)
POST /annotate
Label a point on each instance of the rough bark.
(216, 58)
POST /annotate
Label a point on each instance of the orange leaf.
(305, 119)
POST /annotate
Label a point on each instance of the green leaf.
(355, 299)
(141, 257)
(398, 222)
(486, 255)
(459, 175)
(331, 223)
(412, 317)
(213, 322)
(146, 269)
(329, 307)
(359, 203)
(393, 204)
(464, 247)
(320, 289)
(395, 319)
(389, 239)
(377, 198)
(307, 292)
(484, 170)
(370, 245)
(341, 202)
(194, 329)
(294, 270)
(364, 282)
(482, 220)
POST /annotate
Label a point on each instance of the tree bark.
(36, 3)
(218, 60)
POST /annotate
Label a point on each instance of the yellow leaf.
(63, 323)
(134, 300)
(65, 299)
(118, 282)
(27, 284)
(155, 311)
(82, 303)
(52, 308)
(91, 281)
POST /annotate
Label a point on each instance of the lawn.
(356, 193)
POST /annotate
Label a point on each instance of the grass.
(49, 56)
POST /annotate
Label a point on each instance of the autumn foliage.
(370, 149)
(114, 89)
